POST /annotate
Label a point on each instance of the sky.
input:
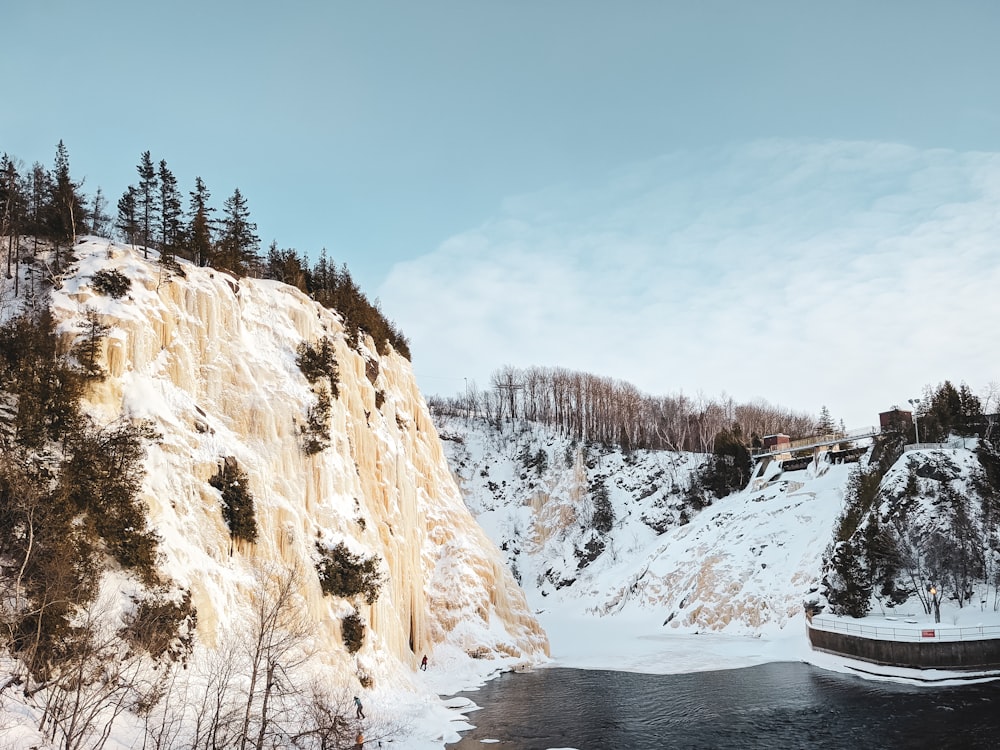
(777, 200)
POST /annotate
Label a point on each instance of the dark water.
(773, 706)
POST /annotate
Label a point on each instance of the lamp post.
(936, 601)
(915, 403)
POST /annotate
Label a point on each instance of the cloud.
(808, 273)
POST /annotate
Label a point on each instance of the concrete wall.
(983, 654)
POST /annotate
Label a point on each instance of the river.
(772, 706)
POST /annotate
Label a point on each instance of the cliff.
(211, 361)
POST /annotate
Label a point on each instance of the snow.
(211, 362)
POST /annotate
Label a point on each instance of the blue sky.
(787, 200)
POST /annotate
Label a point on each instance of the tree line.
(612, 412)
(40, 205)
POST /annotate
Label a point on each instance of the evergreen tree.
(604, 513)
(65, 206)
(825, 425)
(848, 579)
(729, 467)
(237, 500)
(98, 217)
(200, 228)
(39, 191)
(146, 197)
(239, 242)
(88, 347)
(128, 217)
(972, 411)
(169, 205)
(12, 210)
(285, 266)
(950, 410)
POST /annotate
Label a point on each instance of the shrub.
(87, 349)
(111, 282)
(728, 469)
(316, 430)
(604, 513)
(237, 500)
(342, 573)
(318, 362)
(161, 627)
(352, 629)
(101, 476)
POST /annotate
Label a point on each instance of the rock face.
(211, 360)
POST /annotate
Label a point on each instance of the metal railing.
(924, 446)
(954, 442)
(815, 441)
(909, 631)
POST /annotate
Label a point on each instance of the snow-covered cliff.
(211, 360)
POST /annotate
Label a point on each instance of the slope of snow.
(719, 588)
(673, 589)
(743, 565)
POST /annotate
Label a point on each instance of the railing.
(954, 442)
(816, 441)
(914, 632)
(924, 446)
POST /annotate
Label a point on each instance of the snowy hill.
(666, 587)
(210, 361)
(741, 566)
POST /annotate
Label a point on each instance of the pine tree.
(39, 190)
(825, 425)
(128, 217)
(98, 218)
(88, 347)
(146, 200)
(285, 266)
(200, 229)
(239, 243)
(972, 410)
(12, 209)
(169, 205)
(65, 206)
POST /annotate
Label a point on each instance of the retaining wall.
(970, 654)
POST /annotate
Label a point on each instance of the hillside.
(665, 586)
(210, 363)
(741, 566)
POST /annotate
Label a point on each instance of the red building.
(895, 419)
(776, 442)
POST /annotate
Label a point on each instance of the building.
(776, 442)
(895, 420)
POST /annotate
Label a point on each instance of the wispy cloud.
(849, 274)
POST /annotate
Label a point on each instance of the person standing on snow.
(357, 704)
(423, 663)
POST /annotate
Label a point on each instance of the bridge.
(816, 441)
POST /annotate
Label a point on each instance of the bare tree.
(278, 635)
(216, 715)
(95, 681)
